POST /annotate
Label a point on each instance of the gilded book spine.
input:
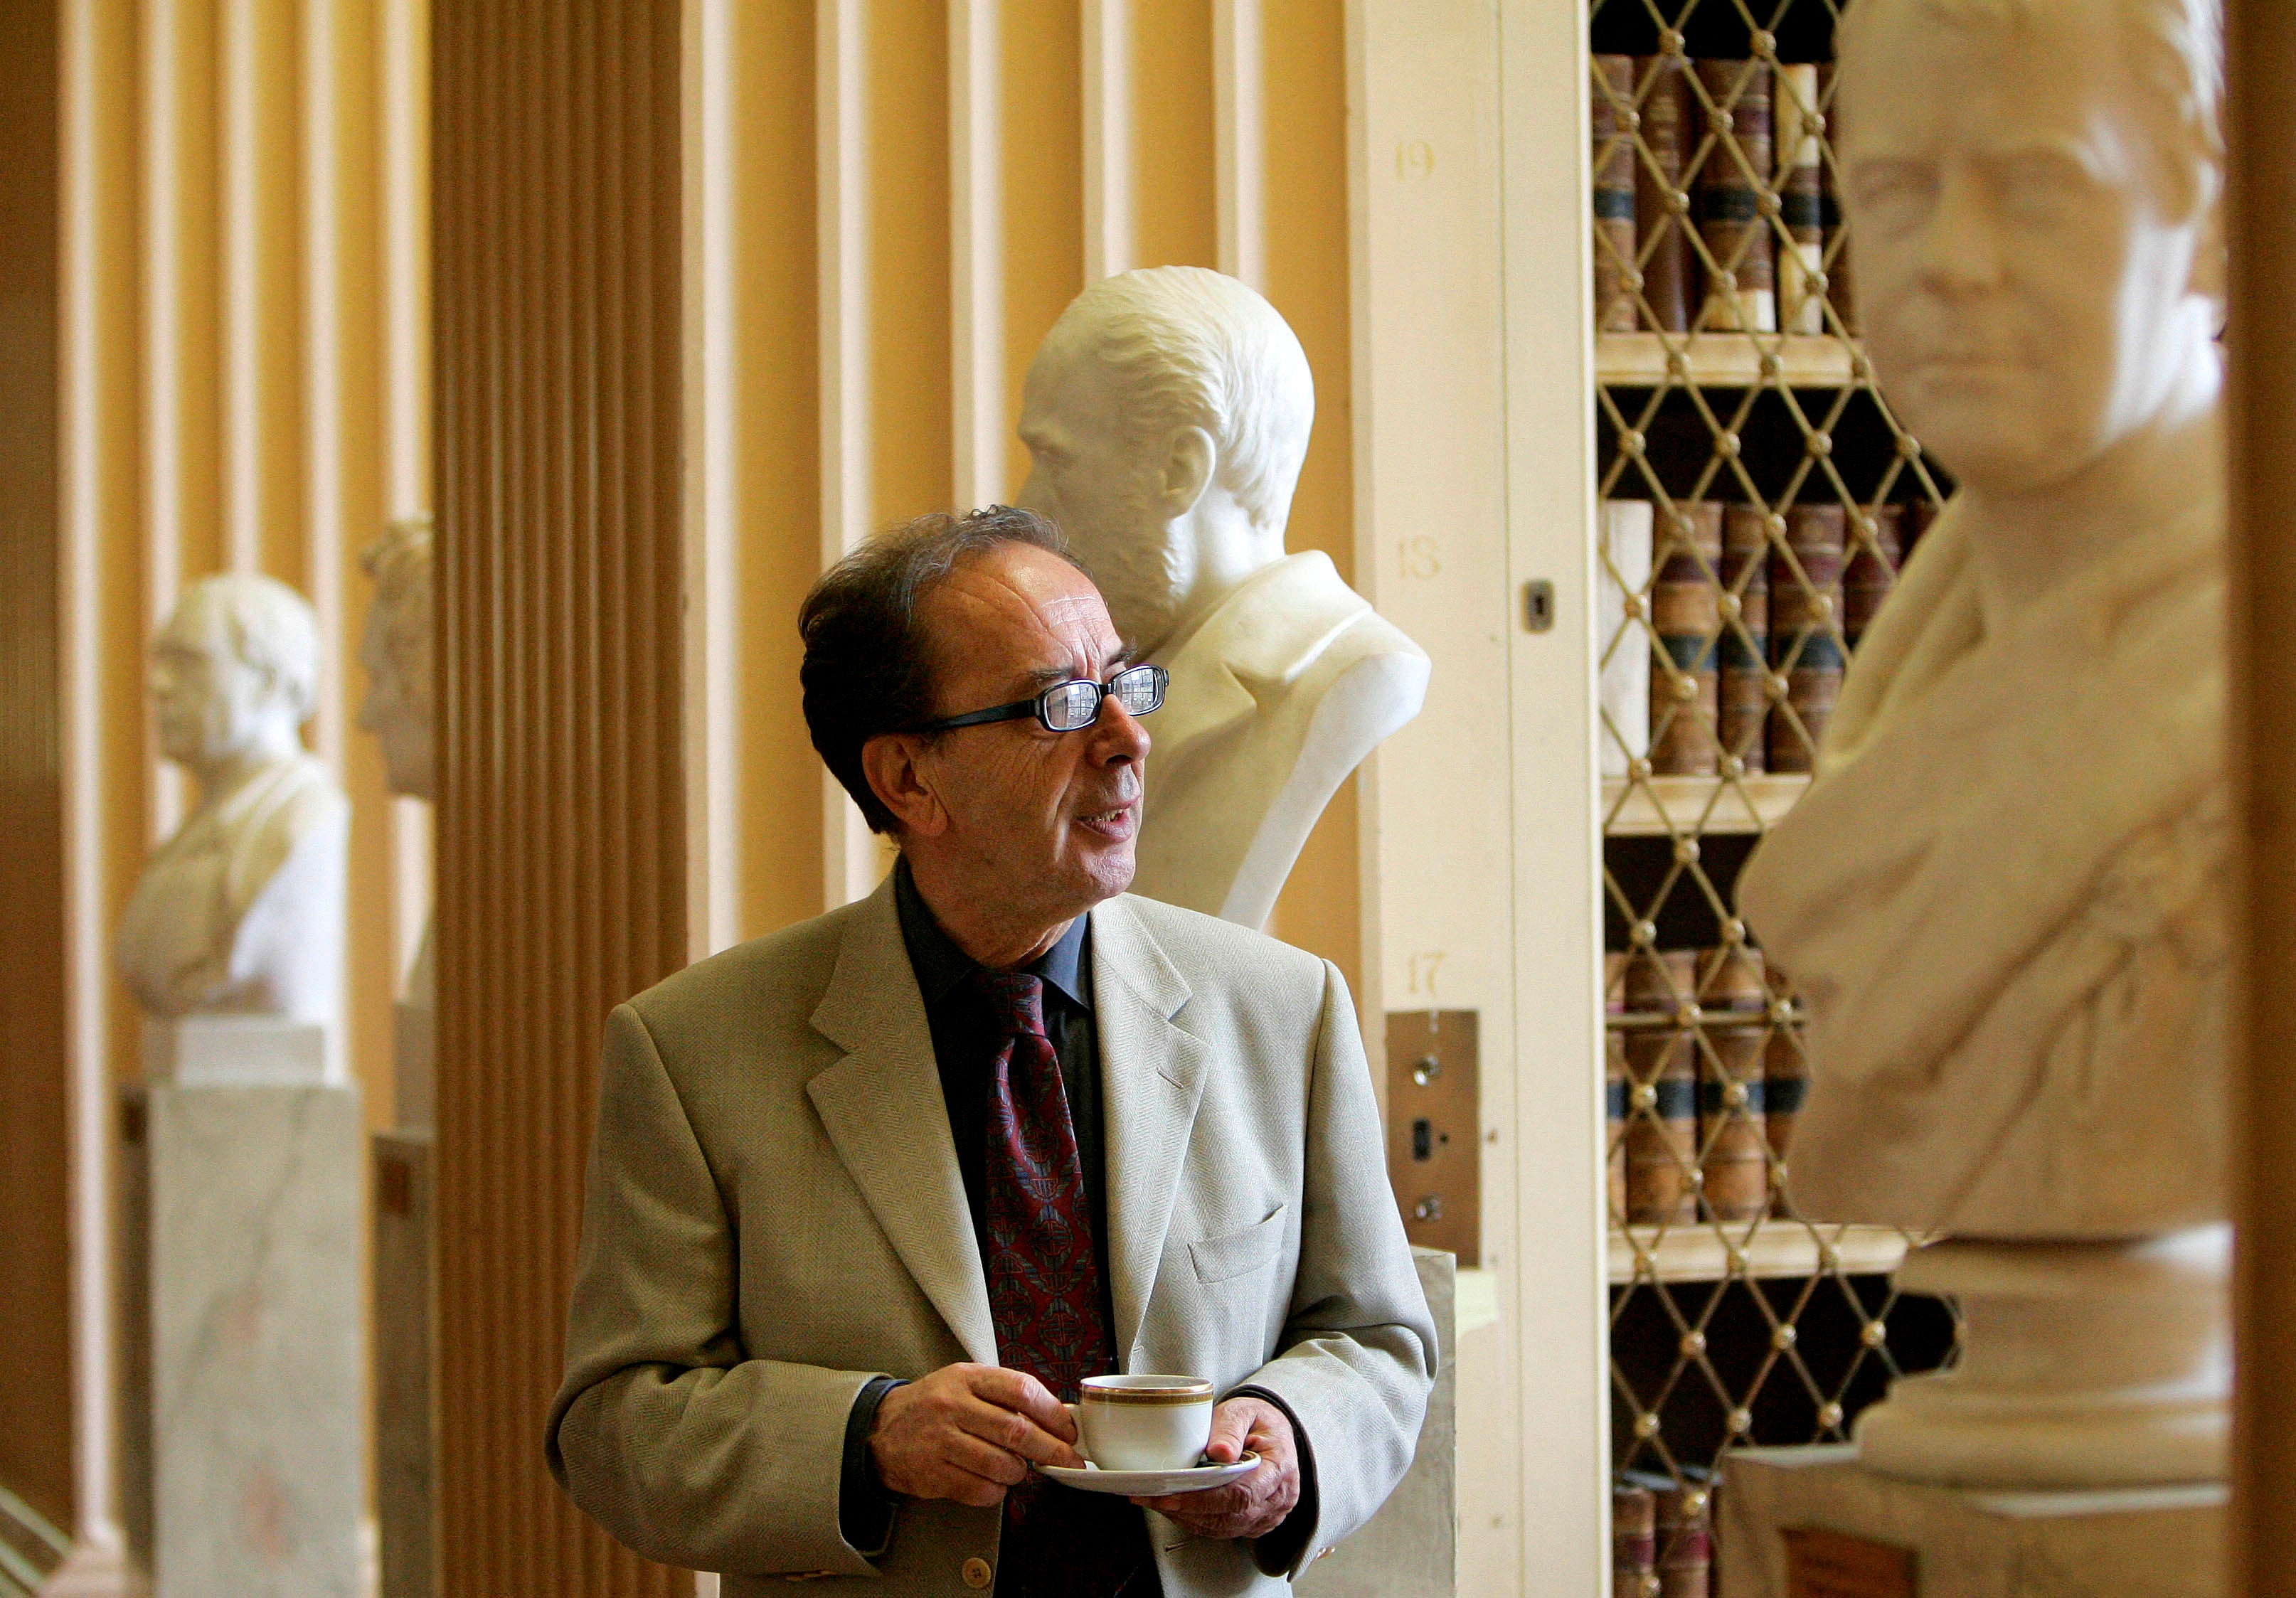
(1734, 1158)
(1633, 1539)
(1785, 1068)
(1841, 286)
(1873, 567)
(1685, 1551)
(1743, 655)
(1661, 204)
(1618, 1091)
(1661, 1062)
(1804, 636)
(1732, 189)
(1612, 118)
(1686, 617)
(1801, 200)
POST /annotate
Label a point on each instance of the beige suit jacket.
(776, 1216)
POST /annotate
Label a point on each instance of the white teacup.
(1144, 1423)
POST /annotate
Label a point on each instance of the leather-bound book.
(1687, 616)
(1662, 1141)
(1614, 983)
(1685, 1544)
(1742, 656)
(1734, 1154)
(1805, 640)
(1919, 514)
(1633, 1540)
(1742, 289)
(1875, 554)
(1662, 206)
(1840, 284)
(1801, 200)
(1734, 979)
(1786, 1081)
(1620, 576)
(1618, 1105)
(1613, 153)
(1659, 981)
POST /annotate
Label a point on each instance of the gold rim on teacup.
(1120, 1389)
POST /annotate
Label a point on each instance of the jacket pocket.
(1234, 1254)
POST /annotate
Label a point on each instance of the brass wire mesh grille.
(1734, 1322)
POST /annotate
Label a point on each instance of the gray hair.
(1197, 348)
(269, 627)
(2175, 57)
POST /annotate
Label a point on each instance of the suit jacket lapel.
(882, 1107)
(1151, 1078)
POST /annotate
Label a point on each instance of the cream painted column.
(1108, 226)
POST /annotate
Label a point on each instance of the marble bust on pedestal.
(241, 911)
(2004, 897)
(1166, 417)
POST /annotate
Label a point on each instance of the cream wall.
(245, 342)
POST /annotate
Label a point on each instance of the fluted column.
(560, 844)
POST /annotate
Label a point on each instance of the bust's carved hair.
(2175, 58)
(1194, 347)
(269, 627)
(398, 563)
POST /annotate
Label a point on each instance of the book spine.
(1661, 205)
(1687, 618)
(1733, 199)
(1872, 569)
(1622, 577)
(1734, 979)
(1659, 981)
(1686, 1547)
(1840, 284)
(1805, 639)
(1785, 1068)
(1919, 514)
(1743, 655)
(1661, 1141)
(1801, 200)
(1618, 1102)
(1734, 1159)
(1633, 1540)
(1612, 119)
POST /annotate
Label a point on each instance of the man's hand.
(1256, 1506)
(968, 1432)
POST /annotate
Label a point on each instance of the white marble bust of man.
(400, 710)
(2005, 895)
(1166, 415)
(241, 911)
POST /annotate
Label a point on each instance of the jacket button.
(977, 1573)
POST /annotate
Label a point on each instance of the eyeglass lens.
(1074, 706)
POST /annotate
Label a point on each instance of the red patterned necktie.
(1044, 1295)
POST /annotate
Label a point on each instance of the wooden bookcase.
(1499, 862)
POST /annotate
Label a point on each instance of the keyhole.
(1422, 1139)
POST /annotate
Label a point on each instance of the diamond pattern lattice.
(1757, 499)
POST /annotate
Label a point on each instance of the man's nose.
(1118, 735)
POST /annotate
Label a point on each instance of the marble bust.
(1167, 416)
(2005, 895)
(400, 710)
(241, 911)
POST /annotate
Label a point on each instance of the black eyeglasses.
(1072, 706)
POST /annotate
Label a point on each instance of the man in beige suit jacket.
(779, 1218)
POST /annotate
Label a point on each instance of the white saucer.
(1151, 1484)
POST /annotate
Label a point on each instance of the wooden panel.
(35, 1445)
(2261, 407)
(557, 294)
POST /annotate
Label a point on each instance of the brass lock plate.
(1434, 1149)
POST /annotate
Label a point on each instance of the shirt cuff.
(1279, 1550)
(864, 1509)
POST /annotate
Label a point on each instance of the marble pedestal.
(1410, 1548)
(243, 1252)
(2161, 1542)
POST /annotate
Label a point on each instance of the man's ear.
(1190, 461)
(891, 762)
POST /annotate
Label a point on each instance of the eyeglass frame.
(1039, 705)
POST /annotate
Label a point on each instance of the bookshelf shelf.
(1692, 806)
(1729, 360)
(1767, 1249)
